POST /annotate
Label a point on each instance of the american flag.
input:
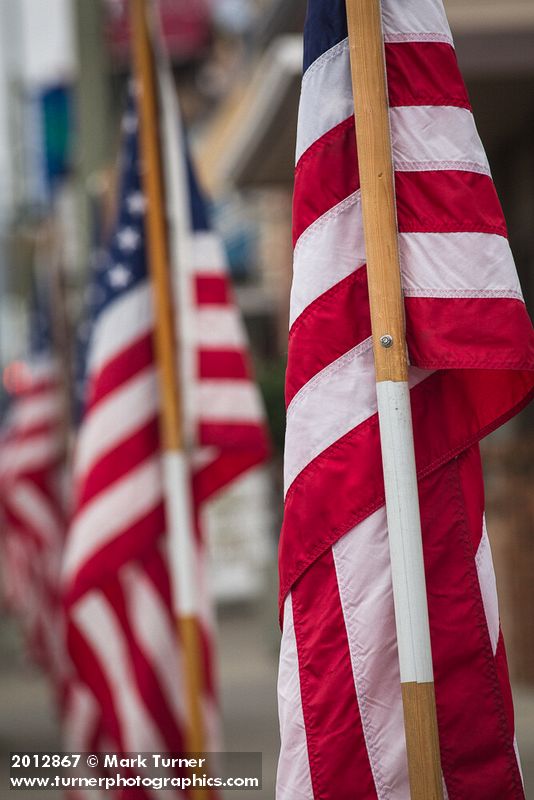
(471, 349)
(122, 634)
(32, 496)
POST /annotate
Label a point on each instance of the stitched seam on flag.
(495, 230)
(443, 364)
(419, 37)
(447, 101)
(332, 213)
(326, 373)
(461, 293)
(441, 166)
(337, 531)
(457, 489)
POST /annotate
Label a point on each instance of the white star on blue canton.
(119, 276)
(136, 203)
(128, 239)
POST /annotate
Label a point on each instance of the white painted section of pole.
(182, 547)
(404, 528)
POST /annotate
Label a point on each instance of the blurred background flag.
(32, 493)
(122, 632)
(471, 348)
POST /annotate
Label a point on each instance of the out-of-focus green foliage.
(271, 376)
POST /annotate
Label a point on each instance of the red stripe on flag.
(121, 368)
(469, 332)
(117, 463)
(326, 329)
(21, 434)
(90, 673)
(424, 74)
(149, 688)
(212, 289)
(232, 436)
(223, 364)
(504, 682)
(131, 543)
(325, 175)
(224, 468)
(446, 201)
(339, 764)
(478, 758)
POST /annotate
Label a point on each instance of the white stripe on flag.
(40, 409)
(107, 425)
(98, 523)
(30, 455)
(219, 327)
(207, 253)
(488, 586)
(328, 251)
(369, 616)
(293, 780)
(427, 20)
(155, 634)
(80, 718)
(125, 320)
(28, 502)
(457, 265)
(97, 622)
(228, 401)
(436, 138)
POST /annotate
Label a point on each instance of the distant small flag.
(471, 349)
(122, 632)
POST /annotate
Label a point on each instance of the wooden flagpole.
(369, 86)
(182, 547)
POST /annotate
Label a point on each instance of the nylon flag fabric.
(122, 634)
(33, 518)
(32, 501)
(472, 354)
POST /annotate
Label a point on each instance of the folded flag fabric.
(471, 351)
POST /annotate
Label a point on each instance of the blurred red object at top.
(186, 26)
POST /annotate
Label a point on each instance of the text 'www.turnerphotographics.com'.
(158, 771)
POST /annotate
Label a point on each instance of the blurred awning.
(252, 139)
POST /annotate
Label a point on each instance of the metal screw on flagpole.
(181, 536)
(369, 85)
